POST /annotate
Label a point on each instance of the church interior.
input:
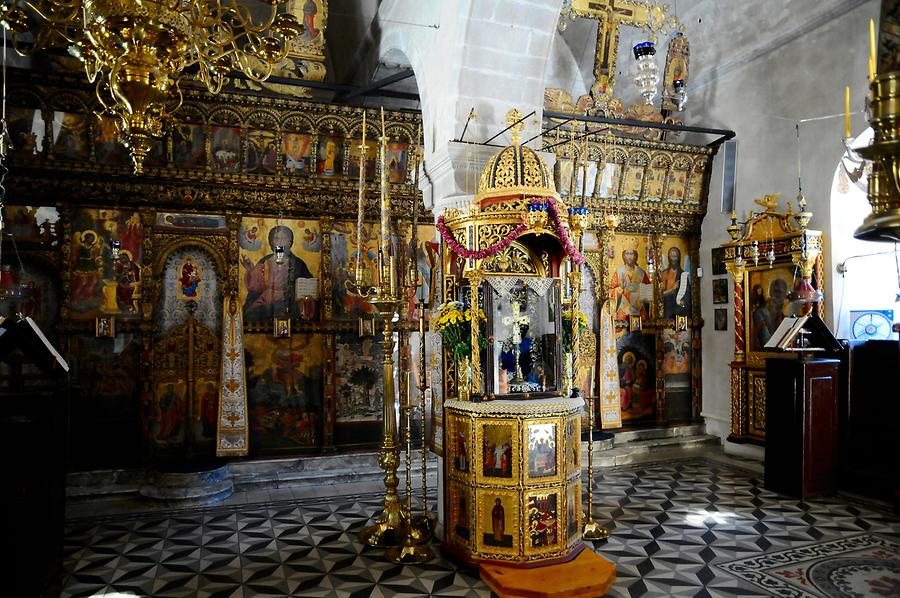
(351, 298)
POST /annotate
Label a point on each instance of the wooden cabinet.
(801, 426)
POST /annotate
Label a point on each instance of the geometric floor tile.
(679, 528)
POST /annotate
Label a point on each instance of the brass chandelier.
(138, 51)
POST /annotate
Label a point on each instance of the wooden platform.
(586, 576)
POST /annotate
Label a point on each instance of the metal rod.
(725, 133)
(508, 127)
(545, 131)
(376, 85)
(468, 119)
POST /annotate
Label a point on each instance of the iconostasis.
(138, 327)
(129, 275)
(653, 306)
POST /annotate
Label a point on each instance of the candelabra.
(387, 529)
(137, 51)
(591, 529)
(422, 525)
(409, 552)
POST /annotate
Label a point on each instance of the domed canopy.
(515, 171)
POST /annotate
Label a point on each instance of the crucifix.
(611, 14)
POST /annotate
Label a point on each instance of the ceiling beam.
(374, 86)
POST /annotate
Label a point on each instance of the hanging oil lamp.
(279, 254)
(646, 72)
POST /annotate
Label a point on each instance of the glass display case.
(522, 357)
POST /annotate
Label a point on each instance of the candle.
(872, 60)
(409, 386)
(393, 274)
(361, 207)
(385, 208)
(847, 112)
(591, 387)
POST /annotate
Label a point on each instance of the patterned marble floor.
(680, 528)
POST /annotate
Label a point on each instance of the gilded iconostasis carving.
(130, 273)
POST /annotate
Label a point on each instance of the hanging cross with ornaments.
(649, 16)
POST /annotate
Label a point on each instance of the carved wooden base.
(586, 576)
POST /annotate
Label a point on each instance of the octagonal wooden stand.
(586, 576)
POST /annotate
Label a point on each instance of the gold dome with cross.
(515, 171)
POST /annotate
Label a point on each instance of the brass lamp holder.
(388, 527)
(409, 553)
(592, 530)
(883, 224)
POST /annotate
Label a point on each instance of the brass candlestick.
(387, 530)
(409, 552)
(423, 524)
(592, 530)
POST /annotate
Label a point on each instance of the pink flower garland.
(561, 231)
(481, 253)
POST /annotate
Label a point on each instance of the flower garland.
(561, 232)
(487, 252)
(481, 254)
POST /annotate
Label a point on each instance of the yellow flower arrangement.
(455, 326)
(567, 328)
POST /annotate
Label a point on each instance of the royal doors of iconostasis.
(649, 280)
(187, 294)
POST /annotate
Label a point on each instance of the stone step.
(623, 436)
(641, 450)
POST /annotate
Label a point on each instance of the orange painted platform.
(586, 576)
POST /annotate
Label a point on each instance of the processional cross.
(517, 321)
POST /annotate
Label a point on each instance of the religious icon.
(541, 450)
(310, 10)
(282, 328)
(461, 446)
(188, 145)
(637, 375)
(497, 452)
(87, 271)
(225, 149)
(497, 534)
(721, 319)
(366, 327)
(720, 291)
(284, 391)
(261, 155)
(634, 323)
(271, 285)
(630, 288)
(573, 445)
(170, 424)
(396, 155)
(543, 522)
(297, 149)
(675, 283)
(681, 323)
(330, 157)
(105, 327)
(573, 510)
(209, 408)
(767, 303)
(460, 509)
(189, 279)
(70, 136)
(128, 282)
(359, 378)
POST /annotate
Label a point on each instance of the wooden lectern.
(802, 414)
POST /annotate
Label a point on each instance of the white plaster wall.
(761, 101)
(490, 56)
